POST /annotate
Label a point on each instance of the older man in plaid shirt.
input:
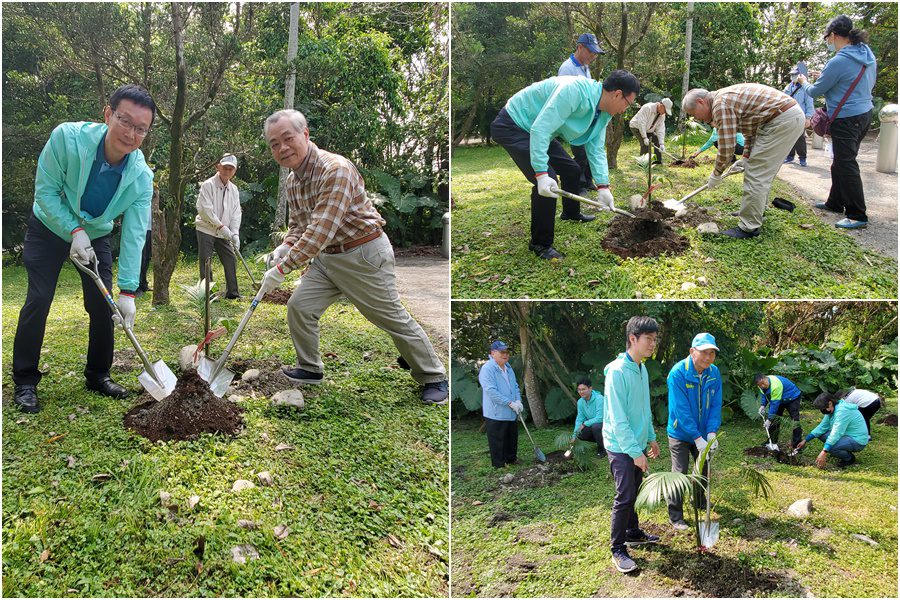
(771, 122)
(335, 229)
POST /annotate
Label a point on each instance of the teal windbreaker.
(845, 420)
(565, 107)
(589, 413)
(627, 420)
(62, 175)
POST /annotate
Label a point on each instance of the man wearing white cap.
(218, 222)
(695, 413)
(650, 124)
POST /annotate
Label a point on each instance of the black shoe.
(601, 452)
(436, 393)
(512, 462)
(579, 217)
(546, 252)
(737, 232)
(139, 292)
(237, 297)
(846, 463)
(824, 206)
(302, 375)
(26, 399)
(107, 387)
(642, 539)
(657, 162)
(403, 364)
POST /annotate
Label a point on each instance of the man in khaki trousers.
(336, 230)
(771, 122)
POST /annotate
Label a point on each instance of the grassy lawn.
(364, 491)
(491, 220)
(552, 540)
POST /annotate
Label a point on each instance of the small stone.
(508, 478)
(250, 375)
(236, 399)
(864, 538)
(165, 498)
(736, 522)
(801, 508)
(282, 531)
(248, 525)
(193, 501)
(702, 281)
(242, 484)
(186, 357)
(681, 211)
(70, 461)
(264, 437)
(658, 296)
(72, 417)
(289, 398)
(806, 226)
(244, 552)
(638, 295)
(477, 503)
(283, 447)
(265, 478)
(709, 227)
(709, 259)
(688, 285)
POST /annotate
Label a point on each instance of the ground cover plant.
(350, 493)
(797, 256)
(534, 530)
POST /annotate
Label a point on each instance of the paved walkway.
(424, 285)
(814, 182)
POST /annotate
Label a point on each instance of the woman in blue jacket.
(852, 56)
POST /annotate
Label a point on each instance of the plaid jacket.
(328, 206)
(743, 107)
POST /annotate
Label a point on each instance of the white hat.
(229, 159)
(668, 104)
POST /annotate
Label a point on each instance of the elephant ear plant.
(658, 488)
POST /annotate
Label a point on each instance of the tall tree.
(686, 80)
(289, 85)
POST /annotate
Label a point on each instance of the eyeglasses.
(127, 124)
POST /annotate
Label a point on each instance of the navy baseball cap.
(589, 41)
(704, 341)
(499, 346)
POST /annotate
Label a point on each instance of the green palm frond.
(758, 483)
(643, 160)
(197, 293)
(659, 487)
(562, 441)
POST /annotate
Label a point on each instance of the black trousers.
(868, 411)
(206, 244)
(738, 150)
(503, 441)
(44, 255)
(580, 156)
(681, 453)
(846, 193)
(146, 258)
(799, 147)
(517, 142)
(793, 409)
(628, 480)
(644, 147)
(594, 433)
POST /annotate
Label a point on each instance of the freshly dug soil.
(277, 296)
(543, 474)
(687, 163)
(890, 420)
(779, 456)
(646, 235)
(190, 410)
(721, 577)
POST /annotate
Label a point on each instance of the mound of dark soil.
(543, 474)
(687, 163)
(890, 420)
(190, 410)
(277, 296)
(646, 235)
(779, 455)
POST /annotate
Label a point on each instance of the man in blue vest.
(780, 394)
(695, 414)
(795, 90)
(88, 175)
(501, 403)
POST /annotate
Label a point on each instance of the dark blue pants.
(799, 147)
(517, 142)
(594, 433)
(844, 448)
(628, 480)
(44, 255)
(846, 193)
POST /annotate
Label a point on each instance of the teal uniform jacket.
(627, 420)
(845, 420)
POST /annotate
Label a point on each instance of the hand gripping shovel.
(572, 196)
(770, 446)
(676, 204)
(537, 451)
(214, 372)
(709, 530)
(246, 266)
(157, 378)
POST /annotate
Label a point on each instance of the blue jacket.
(714, 137)
(799, 94)
(781, 389)
(695, 401)
(496, 393)
(845, 420)
(839, 73)
(62, 175)
(627, 420)
(589, 413)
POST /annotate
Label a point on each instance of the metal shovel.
(537, 451)
(246, 266)
(157, 378)
(709, 530)
(676, 204)
(572, 196)
(770, 446)
(214, 372)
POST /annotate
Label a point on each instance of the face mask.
(830, 46)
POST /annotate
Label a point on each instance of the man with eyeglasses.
(88, 175)
(576, 109)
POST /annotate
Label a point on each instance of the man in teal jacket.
(577, 109)
(627, 434)
(88, 175)
(695, 414)
(843, 429)
(589, 421)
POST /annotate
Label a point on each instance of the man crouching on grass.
(627, 430)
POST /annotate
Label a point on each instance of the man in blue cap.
(501, 403)
(695, 414)
(780, 394)
(795, 90)
(578, 65)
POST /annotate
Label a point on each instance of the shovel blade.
(772, 447)
(539, 455)
(165, 376)
(218, 385)
(709, 534)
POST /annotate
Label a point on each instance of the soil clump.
(278, 296)
(646, 235)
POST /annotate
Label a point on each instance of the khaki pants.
(772, 143)
(365, 275)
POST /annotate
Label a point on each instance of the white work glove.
(272, 279)
(713, 181)
(662, 148)
(277, 255)
(236, 240)
(762, 411)
(223, 232)
(128, 310)
(81, 249)
(767, 423)
(547, 186)
(701, 443)
(646, 142)
(713, 442)
(739, 165)
(517, 406)
(605, 197)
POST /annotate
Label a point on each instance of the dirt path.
(814, 182)
(423, 280)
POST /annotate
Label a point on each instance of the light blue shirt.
(796, 91)
(498, 389)
(572, 67)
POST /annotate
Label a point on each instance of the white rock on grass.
(687, 286)
(193, 501)
(265, 478)
(508, 478)
(242, 484)
(801, 508)
(702, 281)
(864, 538)
(165, 498)
(289, 398)
(186, 357)
(250, 375)
(709, 227)
(244, 552)
(681, 211)
(249, 525)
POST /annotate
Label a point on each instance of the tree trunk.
(686, 80)
(532, 391)
(289, 86)
(470, 120)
